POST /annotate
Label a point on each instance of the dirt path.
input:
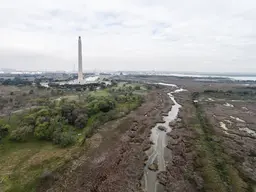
(115, 158)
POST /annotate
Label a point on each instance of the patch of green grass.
(99, 93)
(70, 97)
(213, 181)
(21, 165)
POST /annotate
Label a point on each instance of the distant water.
(226, 76)
(244, 78)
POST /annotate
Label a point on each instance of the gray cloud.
(198, 35)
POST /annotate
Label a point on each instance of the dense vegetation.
(61, 121)
(15, 81)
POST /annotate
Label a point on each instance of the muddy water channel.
(158, 154)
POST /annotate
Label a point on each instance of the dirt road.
(114, 160)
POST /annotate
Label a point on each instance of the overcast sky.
(169, 35)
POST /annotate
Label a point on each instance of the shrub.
(63, 139)
(113, 82)
(4, 130)
(44, 112)
(103, 86)
(149, 87)
(42, 101)
(81, 121)
(88, 132)
(31, 91)
(42, 119)
(44, 131)
(121, 98)
(103, 104)
(137, 87)
(21, 134)
(56, 135)
(106, 105)
(66, 111)
(77, 112)
(29, 120)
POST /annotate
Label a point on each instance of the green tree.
(81, 121)
(44, 112)
(44, 131)
(137, 87)
(103, 104)
(21, 134)
(66, 111)
(113, 82)
(77, 112)
(42, 119)
(29, 119)
(63, 139)
(4, 130)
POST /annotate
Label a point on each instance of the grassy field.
(22, 163)
(99, 93)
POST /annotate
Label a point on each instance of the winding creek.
(157, 154)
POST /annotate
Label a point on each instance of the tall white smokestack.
(80, 62)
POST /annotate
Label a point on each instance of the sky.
(161, 35)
